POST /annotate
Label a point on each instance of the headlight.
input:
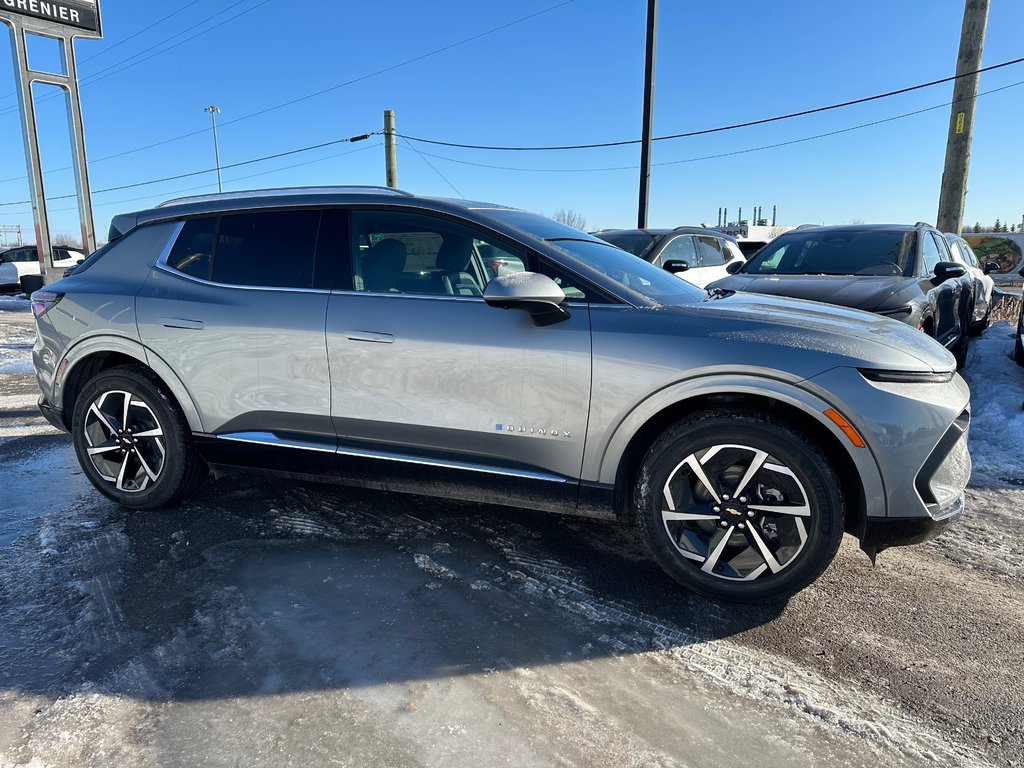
(906, 377)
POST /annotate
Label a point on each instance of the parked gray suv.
(363, 335)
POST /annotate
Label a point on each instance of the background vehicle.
(702, 254)
(1001, 248)
(24, 260)
(983, 284)
(383, 353)
(900, 271)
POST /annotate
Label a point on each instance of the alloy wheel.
(735, 512)
(124, 441)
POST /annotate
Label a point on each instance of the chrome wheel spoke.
(145, 465)
(151, 433)
(127, 404)
(760, 457)
(669, 514)
(698, 471)
(111, 429)
(106, 447)
(796, 510)
(717, 545)
(119, 483)
(769, 558)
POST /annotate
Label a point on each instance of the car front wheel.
(132, 440)
(739, 506)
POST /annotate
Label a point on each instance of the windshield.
(836, 252)
(595, 254)
(631, 272)
(637, 243)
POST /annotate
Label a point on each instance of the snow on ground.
(997, 395)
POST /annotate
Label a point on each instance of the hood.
(813, 337)
(866, 292)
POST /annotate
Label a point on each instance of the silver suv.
(364, 335)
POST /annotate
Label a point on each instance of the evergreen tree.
(977, 227)
(998, 226)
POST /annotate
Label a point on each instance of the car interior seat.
(384, 265)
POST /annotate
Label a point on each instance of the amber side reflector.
(851, 434)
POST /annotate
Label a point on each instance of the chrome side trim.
(270, 439)
(162, 266)
(165, 254)
(360, 453)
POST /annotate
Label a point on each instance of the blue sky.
(573, 74)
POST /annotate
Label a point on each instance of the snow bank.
(997, 394)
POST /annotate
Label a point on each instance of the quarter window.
(193, 251)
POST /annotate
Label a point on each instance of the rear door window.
(193, 251)
(710, 252)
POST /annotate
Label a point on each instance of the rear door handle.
(371, 336)
(177, 322)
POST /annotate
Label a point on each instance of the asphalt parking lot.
(270, 623)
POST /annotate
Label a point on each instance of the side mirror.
(734, 267)
(946, 270)
(990, 267)
(675, 266)
(79, 262)
(538, 295)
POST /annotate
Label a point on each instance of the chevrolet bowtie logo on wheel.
(734, 512)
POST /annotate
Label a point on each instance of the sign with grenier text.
(80, 17)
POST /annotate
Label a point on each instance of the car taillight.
(43, 301)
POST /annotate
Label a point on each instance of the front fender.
(603, 459)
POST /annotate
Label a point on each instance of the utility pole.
(390, 153)
(214, 111)
(645, 147)
(961, 119)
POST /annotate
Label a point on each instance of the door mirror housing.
(733, 267)
(536, 294)
(945, 270)
(675, 266)
(990, 267)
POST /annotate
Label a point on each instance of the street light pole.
(645, 148)
(214, 111)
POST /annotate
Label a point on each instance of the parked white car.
(697, 255)
(983, 284)
(15, 263)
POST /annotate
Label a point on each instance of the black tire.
(1018, 348)
(169, 456)
(982, 325)
(823, 501)
(963, 345)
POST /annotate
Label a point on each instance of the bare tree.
(570, 218)
(65, 239)
(857, 222)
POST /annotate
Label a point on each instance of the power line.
(140, 32)
(431, 165)
(721, 154)
(406, 62)
(205, 186)
(719, 129)
(211, 170)
(87, 78)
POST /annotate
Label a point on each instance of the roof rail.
(283, 192)
(808, 226)
(922, 224)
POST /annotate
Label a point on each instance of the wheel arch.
(861, 480)
(96, 354)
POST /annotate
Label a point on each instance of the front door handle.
(177, 322)
(371, 336)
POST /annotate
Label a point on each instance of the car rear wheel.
(739, 506)
(133, 441)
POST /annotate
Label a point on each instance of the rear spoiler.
(121, 225)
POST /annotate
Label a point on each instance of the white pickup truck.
(24, 260)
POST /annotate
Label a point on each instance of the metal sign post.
(63, 21)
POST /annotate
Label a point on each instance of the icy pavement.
(276, 624)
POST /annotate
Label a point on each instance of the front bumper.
(51, 414)
(884, 532)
